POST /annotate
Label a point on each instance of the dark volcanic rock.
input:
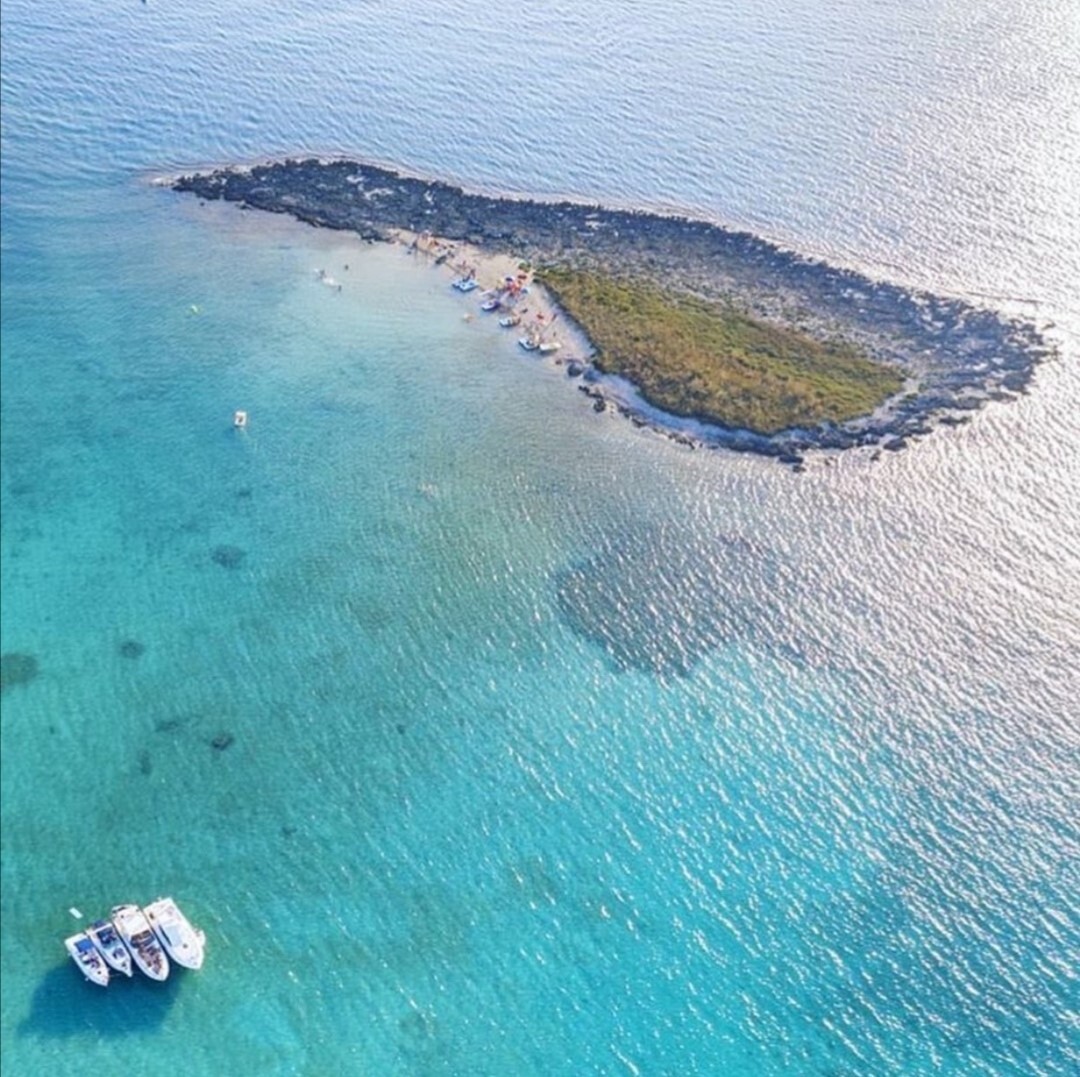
(959, 355)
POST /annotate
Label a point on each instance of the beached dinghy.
(91, 964)
(133, 927)
(182, 942)
(111, 947)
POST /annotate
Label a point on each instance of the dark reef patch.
(656, 603)
(132, 648)
(228, 556)
(222, 741)
(17, 668)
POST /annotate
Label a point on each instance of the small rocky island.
(734, 340)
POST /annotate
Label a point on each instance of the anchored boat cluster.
(145, 938)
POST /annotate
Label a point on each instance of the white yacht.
(133, 927)
(111, 947)
(183, 943)
(85, 955)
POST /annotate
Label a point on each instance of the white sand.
(537, 308)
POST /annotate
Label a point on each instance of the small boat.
(103, 935)
(133, 927)
(491, 303)
(182, 942)
(548, 346)
(530, 344)
(91, 964)
(239, 419)
(465, 284)
(508, 321)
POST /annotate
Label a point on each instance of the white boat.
(548, 346)
(85, 955)
(530, 343)
(465, 284)
(493, 302)
(182, 942)
(133, 927)
(508, 321)
(111, 947)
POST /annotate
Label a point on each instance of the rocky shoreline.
(956, 356)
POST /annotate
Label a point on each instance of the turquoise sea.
(543, 745)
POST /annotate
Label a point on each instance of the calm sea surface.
(483, 734)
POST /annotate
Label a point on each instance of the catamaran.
(133, 927)
(111, 947)
(85, 955)
(182, 942)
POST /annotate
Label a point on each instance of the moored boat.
(548, 346)
(111, 947)
(182, 942)
(465, 284)
(91, 964)
(529, 343)
(146, 951)
(508, 321)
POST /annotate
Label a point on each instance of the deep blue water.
(557, 748)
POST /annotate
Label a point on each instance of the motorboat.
(239, 419)
(85, 954)
(182, 942)
(530, 344)
(548, 346)
(508, 321)
(493, 302)
(133, 927)
(465, 284)
(111, 947)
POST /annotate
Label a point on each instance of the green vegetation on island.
(712, 362)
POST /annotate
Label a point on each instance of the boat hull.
(183, 943)
(91, 964)
(111, 947)
(143, 945)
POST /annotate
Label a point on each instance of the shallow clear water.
(557, 748)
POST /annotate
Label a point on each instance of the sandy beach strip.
(493, 272)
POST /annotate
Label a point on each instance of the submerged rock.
(17, 668)
(651, 603)
(132, 648)
(228, 556)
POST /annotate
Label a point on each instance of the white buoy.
(75, 912)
